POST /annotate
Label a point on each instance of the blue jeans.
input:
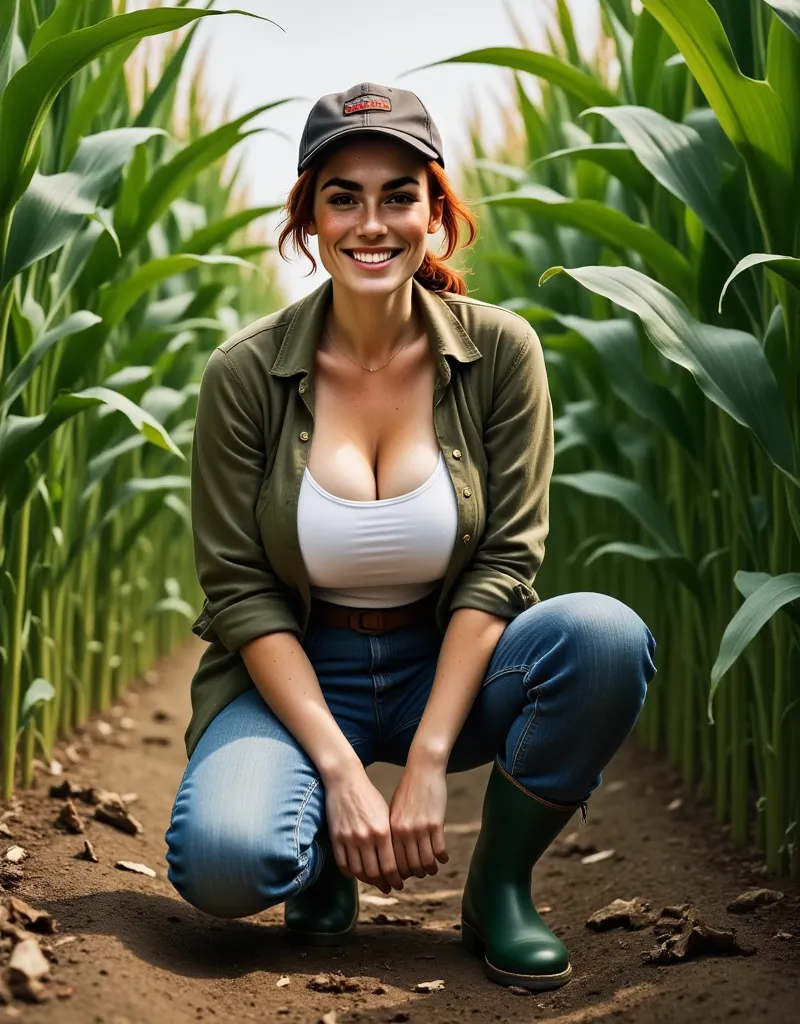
(564, 687)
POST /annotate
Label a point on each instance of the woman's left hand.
(416, 818)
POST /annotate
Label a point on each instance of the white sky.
(329, 45)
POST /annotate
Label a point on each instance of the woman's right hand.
(358, 826)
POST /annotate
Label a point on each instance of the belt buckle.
(356, 622)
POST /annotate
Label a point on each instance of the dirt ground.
(138, 953)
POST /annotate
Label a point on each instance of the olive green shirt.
(254, 426)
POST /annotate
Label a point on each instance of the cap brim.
(420, 147)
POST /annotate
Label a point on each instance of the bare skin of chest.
(373, 432)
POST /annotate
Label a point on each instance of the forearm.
(285, 678)
(466, 651)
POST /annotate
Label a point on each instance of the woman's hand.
(417, 814)
(358, 825)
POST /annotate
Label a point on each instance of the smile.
(373, 259)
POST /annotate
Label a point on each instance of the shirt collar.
(446, 333)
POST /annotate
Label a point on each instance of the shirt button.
(466, 538)
(302, 387)
(303, 435)
(467, 492)
(456, 453)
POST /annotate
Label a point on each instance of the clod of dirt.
(69, 818)
(399, 1017)
(380, 990)
(63, 990)
(10, 875)
(336, 983)
(157, 741)
(570, 845)
(19, 913)
(26, 972)
(139, 869)
(595, 858)
(518, 990)
(784, 935)
(161, 716)
(692, 938)
(88, 852)
(6, 831)
(113, 811)
(622, 914)
(282, 982)
(752, 898)
(394, 919)
(16, 854)
(430, 986)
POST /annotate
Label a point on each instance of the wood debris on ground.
(69, 819)
(139, 869)
(684, 935)
(634, 913)
(393, 919)
(112, 811)
(429, 986)
(596, 858)
(754, 898)
(25, 961)
(335, 983)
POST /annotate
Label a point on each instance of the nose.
(371, 222)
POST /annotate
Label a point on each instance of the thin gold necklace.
(370, 368)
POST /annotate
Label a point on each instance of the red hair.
(433, 274)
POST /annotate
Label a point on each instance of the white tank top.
(381, 553)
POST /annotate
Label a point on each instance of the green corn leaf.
(602, 222)
(21, 436)
(729, 365)
(679, 160)
(614, 157)
(55, 206)
(583, 86)
(73, 325)
(617, 344)
(221, 230)
(786, 267)
(789, 13)
(632, 497)
(94, 97)
(64, 19)
(750, 112)
(39, 692)
(30, 93)
(759, 607)
(9, 12)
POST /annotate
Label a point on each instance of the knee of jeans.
(230, 872)
(613, 640)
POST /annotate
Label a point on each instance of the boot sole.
(472, 941)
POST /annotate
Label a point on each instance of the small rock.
(63, 990)
(128, 723)
(6, 831)
(621, 913)
(69, 818)
(88, 852)
(56, 767)
(26, 969)
(676, 804)
(103, 728)
(752, 898)
(328, 1018)
(615, 787)
(113, 812)
(16, 854)
(282, 982)
(595, 858)
(430, 986)
(139, 869)
(32, 920)
(784, 935)
(518, 990)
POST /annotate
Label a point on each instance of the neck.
(370, 328)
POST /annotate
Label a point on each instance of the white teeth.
(372, 257)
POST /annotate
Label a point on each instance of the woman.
(370, 476)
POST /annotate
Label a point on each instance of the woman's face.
(371, 199)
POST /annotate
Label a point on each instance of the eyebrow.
(353, 186)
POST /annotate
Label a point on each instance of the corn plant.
(124, 259)
(645, 221)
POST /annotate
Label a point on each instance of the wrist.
(428, 754)
(342, 766)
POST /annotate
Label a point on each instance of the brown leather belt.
(373, 621)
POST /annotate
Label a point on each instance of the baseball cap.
(373, 108)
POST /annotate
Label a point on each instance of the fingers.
(439, 846)
(426, 854)
(390, 869)
(413, 857)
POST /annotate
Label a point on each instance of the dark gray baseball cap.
(368, 107)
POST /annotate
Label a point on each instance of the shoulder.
(503, 337)
(263, 335)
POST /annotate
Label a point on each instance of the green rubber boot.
(498, 919)
(326, 913)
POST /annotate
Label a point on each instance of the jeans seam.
(522, 741)
(503, 672)
(414, 721)
(296, 831)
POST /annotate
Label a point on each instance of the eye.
(404, 195)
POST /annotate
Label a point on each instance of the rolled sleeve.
(244, 597)
(519, 446)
